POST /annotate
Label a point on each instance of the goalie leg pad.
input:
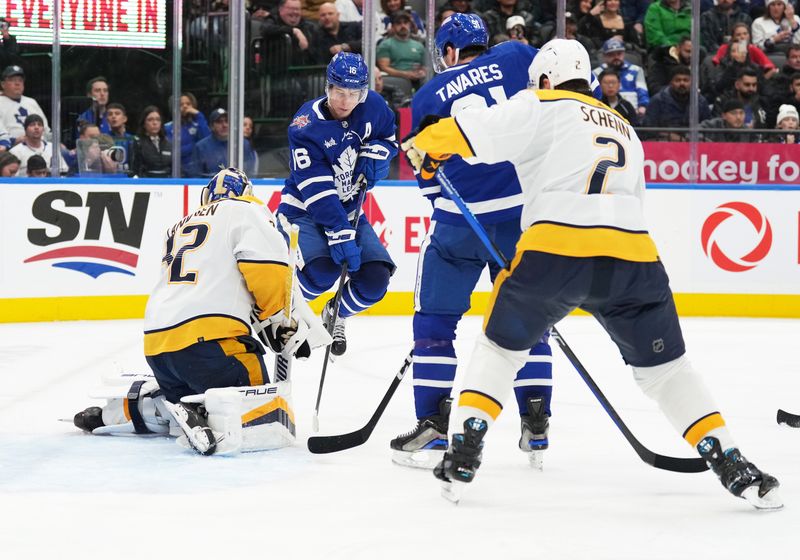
(136, 410)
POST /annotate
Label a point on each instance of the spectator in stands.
(97, 90)
(609, 85)
(633, 12)
(778, 28)
(333, 36)
(9, 165)
(736, 55)
(745, 89)
(789, 120)
(117, 117)
(194, 127)
(461, 6)
(15, 107)
(248, 131)
(669, 108)
(666, 21)
(400, 56)
(350, 10)
(603, 22)
(211, 154)
(37, 167)
(152, 152)
(571, 32)
(633, 84)
(732, 120)
(516, 30)
(384, 20)
(497, 16)
(289, 21)
(442, 14)
(716, 25)
(85, 130)
(9, 50)
(663, 60)
(33, 143)
(99, 156)
(311, 9)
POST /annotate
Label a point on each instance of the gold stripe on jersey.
(700, 429)
(266, 280)
(480, 401)
(276, 410)
(557, 94)
(232, 347)
(199, 329)
(444, 137)
(588, 241)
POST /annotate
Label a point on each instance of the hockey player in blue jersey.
(452, 257)
(340, 143)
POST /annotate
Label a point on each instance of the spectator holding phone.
(778, 28)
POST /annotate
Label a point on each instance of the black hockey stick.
(332, 444)
(788, 419)
(676, 464)
(337, 300)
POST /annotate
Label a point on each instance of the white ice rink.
(67, 495)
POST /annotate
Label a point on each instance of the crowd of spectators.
(749, 77)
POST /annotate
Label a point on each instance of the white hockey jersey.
(580, 164)
(13, 113)
(218, 262)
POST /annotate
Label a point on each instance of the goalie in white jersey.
(585, 245)
(221, 263)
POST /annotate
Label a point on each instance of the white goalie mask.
(560, 60)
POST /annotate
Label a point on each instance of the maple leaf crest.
(343, 173)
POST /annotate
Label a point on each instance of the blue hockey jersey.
(324, 152)
(492, 77)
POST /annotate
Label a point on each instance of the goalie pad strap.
(134, 394)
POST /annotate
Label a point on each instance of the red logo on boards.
(762, 237)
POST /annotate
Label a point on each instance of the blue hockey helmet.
(458, 31)
(227, 183)
(348, 70)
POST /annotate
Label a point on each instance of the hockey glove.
(424, 164)
(373, 163)
(343, 247)
(304, 332)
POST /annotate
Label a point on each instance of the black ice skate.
(192, 419)
(424, 446)
(339, 345)
(534, 427)
(89, 419)
(741, 477)
(462, 459)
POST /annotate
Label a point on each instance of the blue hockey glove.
(343, 247)
(373, 162)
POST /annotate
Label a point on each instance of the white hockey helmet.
(560, 60)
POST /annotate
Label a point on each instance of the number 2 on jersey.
(597, 181)
(174, 262)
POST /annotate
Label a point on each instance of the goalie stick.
(332, 444)
(675, 464)
(788, 419)
(283, 364)
(337, 300)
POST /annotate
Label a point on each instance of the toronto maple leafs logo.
(330, 143)
(343, 174)
(300, 121)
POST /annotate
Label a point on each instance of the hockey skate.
(89, 419)
(193, 421)
(339, 344)
(534, 428)
(425, 445)
(741, 477)
(462, 459)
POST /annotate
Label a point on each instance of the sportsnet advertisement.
(68, 244)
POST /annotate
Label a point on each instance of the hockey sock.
(365, 288)
(490, 375)
(685, 400)
(535, 379)
(434, 369)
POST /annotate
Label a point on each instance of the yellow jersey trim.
(700, 429)
(559, 94)
(595, 241)
(267, 281)
(480, 401)
(200, 329)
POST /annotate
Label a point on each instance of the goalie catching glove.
(304, 332)
(425, 165)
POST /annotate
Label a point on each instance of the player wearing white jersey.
(220, 262)
(585, 245)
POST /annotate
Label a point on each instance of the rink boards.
(92, 249)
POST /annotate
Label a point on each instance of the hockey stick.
(332, 444)
(337, 300)
(283, 364)
(676, 464)
(788, 419)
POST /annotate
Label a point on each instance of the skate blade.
(453, 491)
(769, 501)
(423, 459)
(536, 460)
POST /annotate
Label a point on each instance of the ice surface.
(67, 495)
